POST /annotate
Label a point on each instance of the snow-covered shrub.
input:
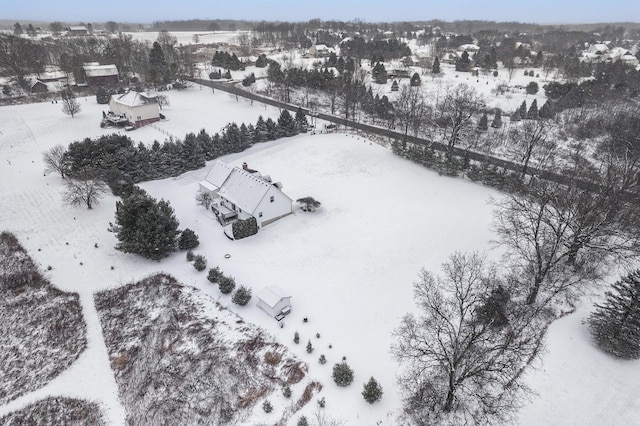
(296, 337)
(214, 274)
(226, 284)
(190, 256)
(286, 390)
(244, 228)
(309, 347)
(322, 360)
(342, 374)
(372, 391)
(302, 421)
(242, 296)
(267, 407)
(188, 240)
(200, 263)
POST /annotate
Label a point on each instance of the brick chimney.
(244, 166)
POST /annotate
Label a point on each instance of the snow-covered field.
(349, 266)
(187, 37)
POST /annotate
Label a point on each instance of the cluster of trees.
(358, 47)
(227, 61)
(118, 161)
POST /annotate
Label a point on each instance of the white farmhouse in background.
(319, 51)
(274, 302)
(139, 109)
(240, 193)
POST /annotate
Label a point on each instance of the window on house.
(271, 199)
(233, 206)
(260, 214)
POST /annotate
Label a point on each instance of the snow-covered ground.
(187, 37)
(349, 266)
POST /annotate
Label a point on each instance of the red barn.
(100, 75)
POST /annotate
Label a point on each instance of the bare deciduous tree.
(204, 199)
(529, 140)
(456, 111)
(70, 105)
(56, 160)
(536, 229)
(463, 355)
(411, 109)
(86, 190)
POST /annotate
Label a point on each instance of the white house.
(240, 193)
(274, 302)
(319, 51)
(138, 108)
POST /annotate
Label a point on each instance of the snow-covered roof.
(133, 98)
(598, 47)
(246, 189)
(77, 28)
(219, 173)
(271, 295)
(468, 47)
(100, 70)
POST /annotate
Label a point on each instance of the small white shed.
(274, 301)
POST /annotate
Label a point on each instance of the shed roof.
(100, 70)
(271, 295)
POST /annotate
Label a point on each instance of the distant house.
(78, 30)
(274, 302)
(319, 51)
(240, 193)
(598, 49)
(98, 75)
(138, 108)
(39, 87)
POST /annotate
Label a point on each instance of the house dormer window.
(272, 199)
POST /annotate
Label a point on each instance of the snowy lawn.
(349, 266)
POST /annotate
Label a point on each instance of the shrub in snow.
(372, 391)
(296, 338)
(322, 360)
(267, 407)
(302, 421)
(188, 240)
(200, 263)
(190, 256)
(214, 274)
(615, 324)
(242, 296)
(286, 390)
(342, 374)
(309, 347)
(322, 403)
(244, 228)
(226, 284)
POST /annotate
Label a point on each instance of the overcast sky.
(147, 11)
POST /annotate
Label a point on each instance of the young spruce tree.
(615, 324)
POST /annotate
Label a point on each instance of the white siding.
(281, 206)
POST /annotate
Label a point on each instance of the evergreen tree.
(342, 374)
(463, 63)
(497, 119)
(532, 88)
(200, 263)
(286, 125)
(242, 296)
(296, 337)
(615, 324)
(309, 347)
(158, 69)
(272, 129)
(102, 96)
(483, 124)
(532, 114)
(516, 116)
(188, 240)
(546, 111)
(415, 80)
(17, 29)
(379, 73)
(493, 311)
(523, 110)
(301, 121)
(261, 131)
(214, 274)
(226, 284)
(302, 421)
(145, 226)
(372, 391)
(435, 69)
